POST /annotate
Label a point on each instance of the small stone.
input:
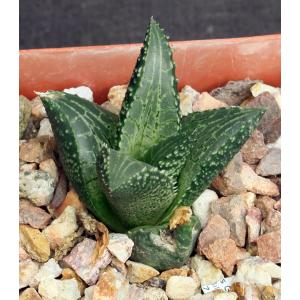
(201, 207)
(254, 149)
(205, 102)
(216, 228)
(81, 260)
(81, 91)
(238, 177)
(111, 285)
(30, 294)
(27, 270)
(234, 92)
(206, 271)
(60, 191)
(233, 209)
(68, 273)
(226, 296)
(32, 215)
(187, 97)
(173, 272)
(38, 109)
(54, 289)
(138, 273)
(180, 287)
(36, 150)
(181, 215)
(120, 245)
(272, 222)
(71, 199)
(270, 124)
(223, 254)
(48, 270)
(24, 114)
(45, 128)
(62, 227)
(35, 243)
(37, 186)
(270, 163)
(269, 293)
(153, 293)
(255, 270)
(253, 221)
(268, 246)
(50, 167)
(116, 95)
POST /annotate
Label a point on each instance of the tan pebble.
(138, 273)
(36, 245)
(61, 228)
(206, 102)
(180, 287)
(116, 95)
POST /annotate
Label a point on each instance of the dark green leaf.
(207, 141)
(138, 192)
(81, 128)
(150, 111)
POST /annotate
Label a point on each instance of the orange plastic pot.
(203, 64)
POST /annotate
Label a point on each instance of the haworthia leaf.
(138, 192)
(150, 111)
(81, 128)
(162, 249)
(210, 140)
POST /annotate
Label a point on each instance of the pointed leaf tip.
(150, 111)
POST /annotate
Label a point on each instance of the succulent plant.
(134, 170)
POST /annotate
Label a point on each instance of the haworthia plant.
(134, 170)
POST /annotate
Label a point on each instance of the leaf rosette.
(134, 170)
